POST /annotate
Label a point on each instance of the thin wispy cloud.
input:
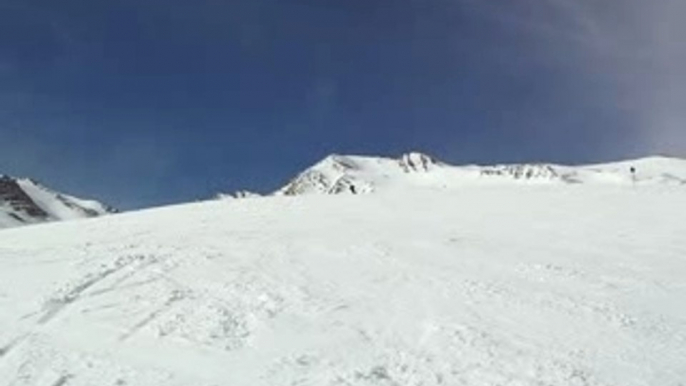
(634, 49)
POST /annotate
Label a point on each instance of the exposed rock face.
(417, 162)
(523, 171)
(12, 195)
(238, 195)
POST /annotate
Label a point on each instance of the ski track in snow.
(531, 285)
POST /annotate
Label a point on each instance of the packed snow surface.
(519, 284)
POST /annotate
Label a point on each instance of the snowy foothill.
(428, 279)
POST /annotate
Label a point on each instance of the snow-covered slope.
(536, 284)
(338, 174)
(24, 201)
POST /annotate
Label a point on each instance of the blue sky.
(150, 102)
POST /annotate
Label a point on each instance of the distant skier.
(633, 174)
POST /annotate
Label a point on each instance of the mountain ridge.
(25, 201)
(359, 174)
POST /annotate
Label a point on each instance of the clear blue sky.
(147, 102)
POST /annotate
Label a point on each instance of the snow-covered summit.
(339, 174)
(25, 201)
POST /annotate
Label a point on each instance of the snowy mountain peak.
(14, 201)
(335, 174)
(25, 201)
(339, 174)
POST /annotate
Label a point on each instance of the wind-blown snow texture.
(428, 284)
(24, 201)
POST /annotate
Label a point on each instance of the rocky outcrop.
(18, 204)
